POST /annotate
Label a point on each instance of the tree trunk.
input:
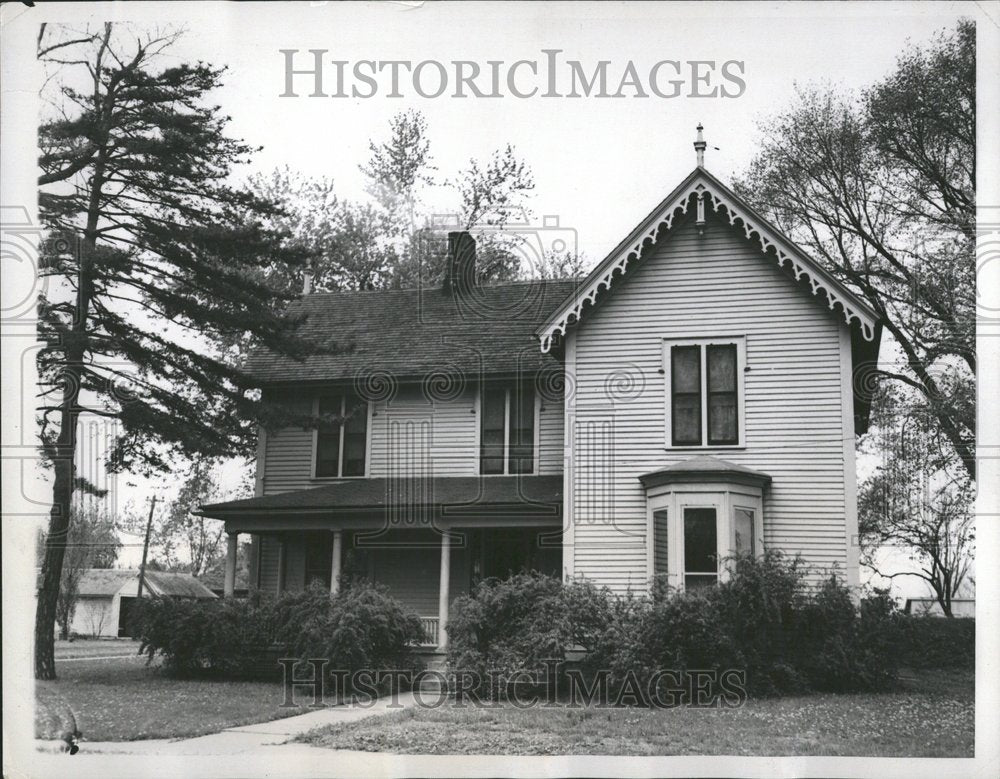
(64, 451)
(55, 545)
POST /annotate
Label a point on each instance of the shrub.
(765, 620)
(509, 626)
(758, 605)
(363, 627)
(197, 637)
(360, 628)
(936, 642)
(840, 649)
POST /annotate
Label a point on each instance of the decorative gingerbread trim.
(698, 191)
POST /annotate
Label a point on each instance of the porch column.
(281, 565)
(338, 541)
(443, 590)
(232, 541)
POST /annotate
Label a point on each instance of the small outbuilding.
(107, 594)
(929, 607)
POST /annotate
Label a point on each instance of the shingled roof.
(416, 332)
(105, 582)
(353, 494)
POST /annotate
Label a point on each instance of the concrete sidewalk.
(264, 738)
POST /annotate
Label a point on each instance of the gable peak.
(705, 191)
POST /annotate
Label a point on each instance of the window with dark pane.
(743, 535)
(355, 434)
(318, 558)
(685, 388)
(328, 437)
(700, 547)
(522, 429)
(723, 424)
(491, 433)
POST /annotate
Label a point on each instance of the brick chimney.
(307, 277)
(460, 269)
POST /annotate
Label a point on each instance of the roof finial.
(700, 146)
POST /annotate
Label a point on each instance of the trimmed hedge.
(765, 621)
(936, 642)
(361, 628)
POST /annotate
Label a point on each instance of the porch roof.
(475, 492)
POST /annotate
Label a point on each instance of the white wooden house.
(698, 393)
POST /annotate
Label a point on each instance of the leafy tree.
(398, 167)
(918, 498)
(92, 543)
(491, 192)
(150, 255)
(493, 195)
(880, 186)
(391, 243)
(566, 264)
(351, 244)
(181, 540)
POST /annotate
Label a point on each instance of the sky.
(599, 165)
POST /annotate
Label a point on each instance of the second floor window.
(704, 388)
(507, 429)
(340, 446)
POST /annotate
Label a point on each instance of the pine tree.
(151, 255)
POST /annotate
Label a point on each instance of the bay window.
(701, 513)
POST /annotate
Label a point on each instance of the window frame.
(714, 504)
(725, 498)
(508, 386)
(343, 392)
(737, 341)
(744, 505)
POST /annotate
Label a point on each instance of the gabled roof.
(701, 185)
(98, 582)
(105, 582)
(176, 585)
(417, 333)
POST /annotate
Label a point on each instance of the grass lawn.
(932, 716)
(123, 699)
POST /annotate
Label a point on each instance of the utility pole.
(145, 546)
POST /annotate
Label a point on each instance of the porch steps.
(436, 663)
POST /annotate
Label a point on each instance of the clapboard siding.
(551, 423)
(410, 435)
(692, 286)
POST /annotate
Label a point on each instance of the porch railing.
(430, 626)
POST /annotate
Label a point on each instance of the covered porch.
(425, 554)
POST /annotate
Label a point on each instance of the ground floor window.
(694, 534)
(701, 559)
(743, 531)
